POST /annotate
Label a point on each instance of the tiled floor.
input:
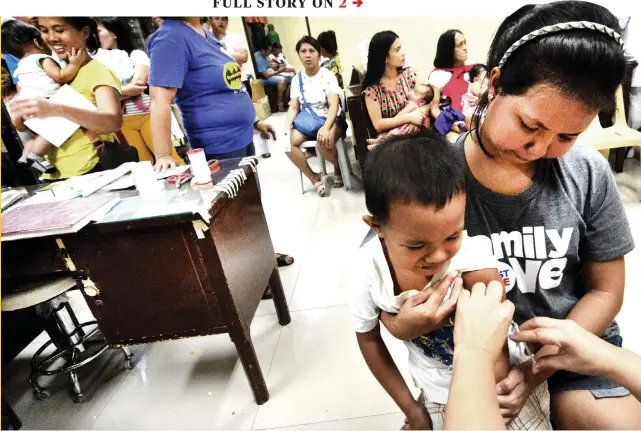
(313, 368)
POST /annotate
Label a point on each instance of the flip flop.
(281, 259)
(320, 188)
(338, 182)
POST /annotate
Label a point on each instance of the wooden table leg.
(247, 354)
(280, 302)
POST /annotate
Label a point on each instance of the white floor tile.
(194, 383)
(392, 421)
(318, 374)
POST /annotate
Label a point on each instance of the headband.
(557, 28)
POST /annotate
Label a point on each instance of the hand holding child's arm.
(482, 322)
(581, 352)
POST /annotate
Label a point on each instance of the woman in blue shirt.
(190, 67)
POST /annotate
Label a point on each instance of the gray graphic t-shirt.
(571, 213)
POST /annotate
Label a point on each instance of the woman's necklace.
(389, 83)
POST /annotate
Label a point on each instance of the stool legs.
(128, 357)
(77, 346)
(78, 395)
(38, 392)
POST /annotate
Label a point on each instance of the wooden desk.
(157, 280)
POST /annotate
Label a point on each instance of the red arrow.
(358, 3)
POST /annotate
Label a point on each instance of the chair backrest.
(619, 116)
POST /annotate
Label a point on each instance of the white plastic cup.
(199, 166)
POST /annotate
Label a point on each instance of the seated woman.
(94, 81)
(132, 67)
(450, 78)
(388, 87)
(314, 113)
(329, 55)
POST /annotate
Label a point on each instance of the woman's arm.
(292, 112)
(382, 366)
(323, 137)
(482, 321)
(383, 124)
(602, 302)
(107, 118)
(161, 98)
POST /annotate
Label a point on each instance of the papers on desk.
(57, 129)
(127, 181)
(10, 197)
(55, 218)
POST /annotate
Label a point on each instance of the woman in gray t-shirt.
(549, 210)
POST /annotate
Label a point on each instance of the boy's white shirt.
(373, 291)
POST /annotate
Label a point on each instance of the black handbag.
(113, 154)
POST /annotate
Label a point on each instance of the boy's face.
(422, 239)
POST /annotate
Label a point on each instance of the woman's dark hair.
(261, 45)
(276, 45)
(310, 41)
(378, 51)
(445, 49)
(584, 64)
(17, 35)
(476, 71)
(79, 23)
(327, 40)
(121, 30)
(404, 169)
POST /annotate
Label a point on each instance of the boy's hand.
(77, 56)
(425, 311)
(417, 420)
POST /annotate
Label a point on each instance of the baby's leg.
(33, 155)
(41, 146)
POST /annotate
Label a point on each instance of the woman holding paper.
(94, 81)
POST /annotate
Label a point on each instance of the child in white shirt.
(415, 193)
(39, 75)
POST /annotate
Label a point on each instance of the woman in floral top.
(387, 85)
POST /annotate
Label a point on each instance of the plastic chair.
(617, 136)
(343, 156)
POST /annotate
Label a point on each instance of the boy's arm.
(58, 74)
(482, 276)
(382, 365)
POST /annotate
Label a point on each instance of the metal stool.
(73, 343)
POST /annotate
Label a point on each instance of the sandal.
(338, 181)
(284, 260)
(320, 187)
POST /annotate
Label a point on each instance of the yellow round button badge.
(231, 75)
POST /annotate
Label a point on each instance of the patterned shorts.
(535, 414)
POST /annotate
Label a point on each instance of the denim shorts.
(563, 381)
